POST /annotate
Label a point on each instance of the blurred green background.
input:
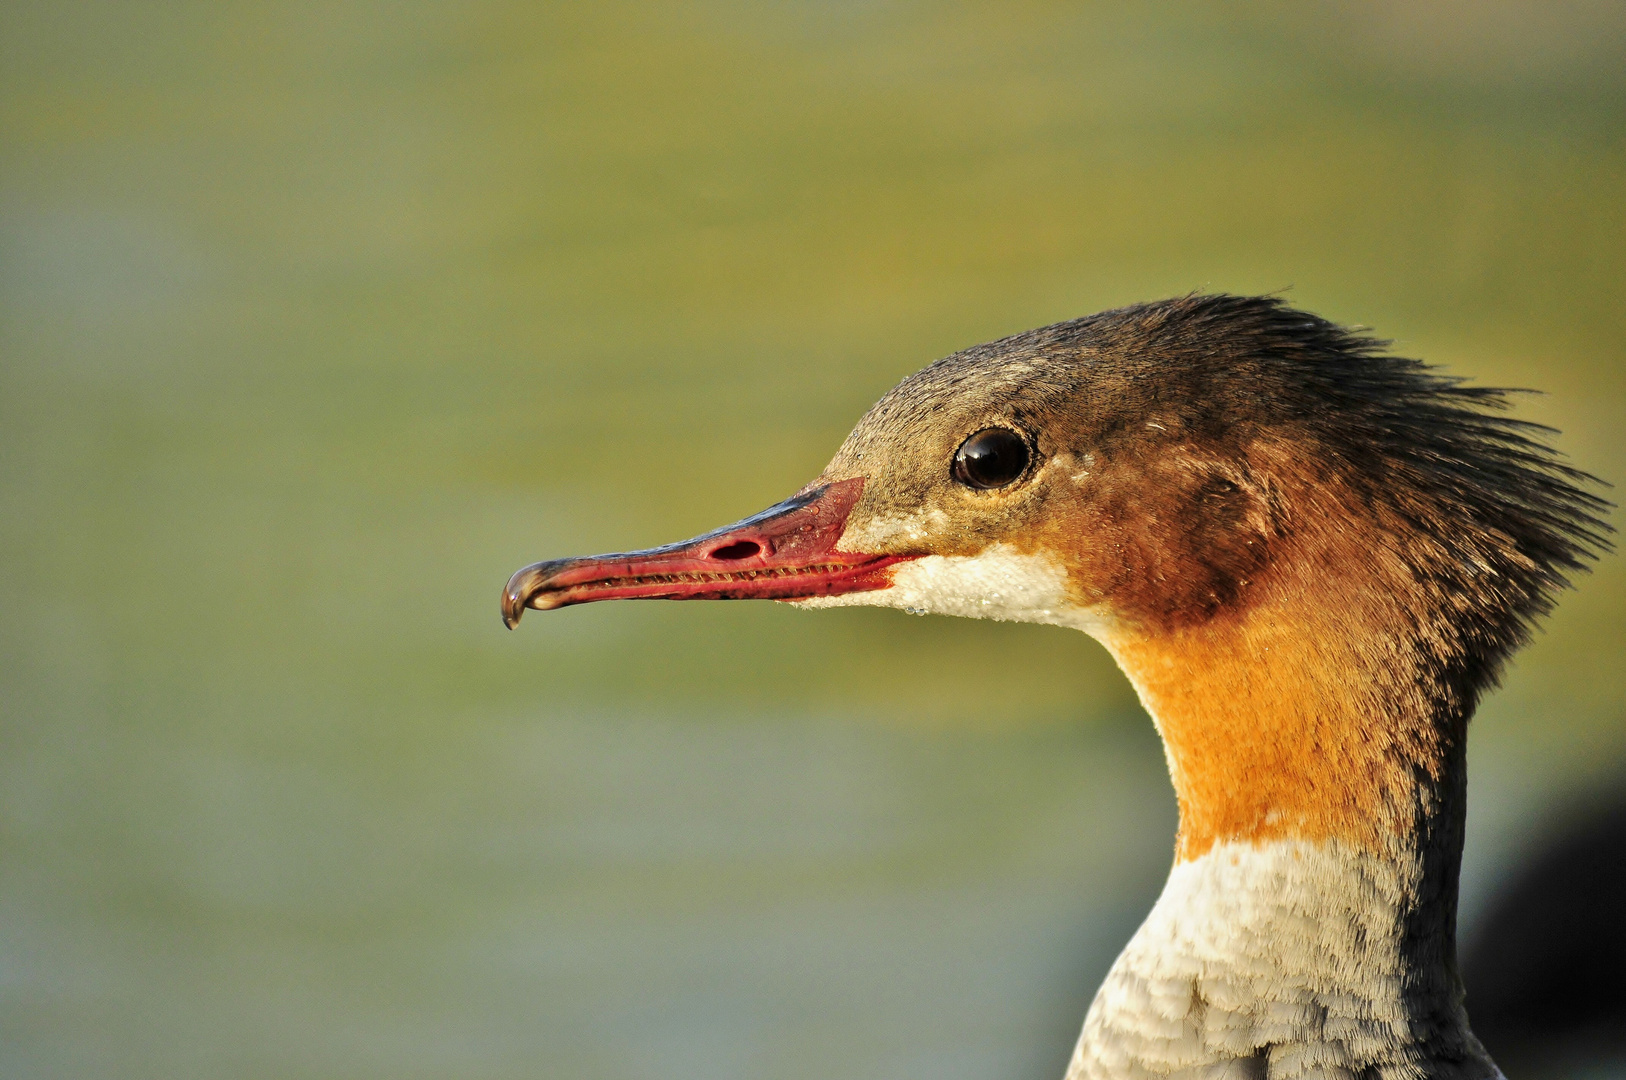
(317, 320)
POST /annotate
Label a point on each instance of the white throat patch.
(998, 583)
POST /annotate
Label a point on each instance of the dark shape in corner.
(1546, 969)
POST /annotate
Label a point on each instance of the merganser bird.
(1309, 556)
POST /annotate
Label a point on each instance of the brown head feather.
(1317, 554)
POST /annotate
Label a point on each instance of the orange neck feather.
(1305, 716)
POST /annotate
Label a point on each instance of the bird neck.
(1319, 768)
(1305, 722)
(1288, 958)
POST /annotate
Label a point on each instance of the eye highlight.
(992, 458)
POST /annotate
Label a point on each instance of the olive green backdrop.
(317, 320)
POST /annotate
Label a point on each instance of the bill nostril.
(739, 549)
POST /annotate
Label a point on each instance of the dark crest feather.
(1507, 520)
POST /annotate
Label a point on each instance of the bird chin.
(997, 583)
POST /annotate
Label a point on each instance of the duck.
(1311, 558)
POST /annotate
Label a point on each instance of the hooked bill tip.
(512, 608)
(516, 595)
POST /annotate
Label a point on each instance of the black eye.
(991, 458)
